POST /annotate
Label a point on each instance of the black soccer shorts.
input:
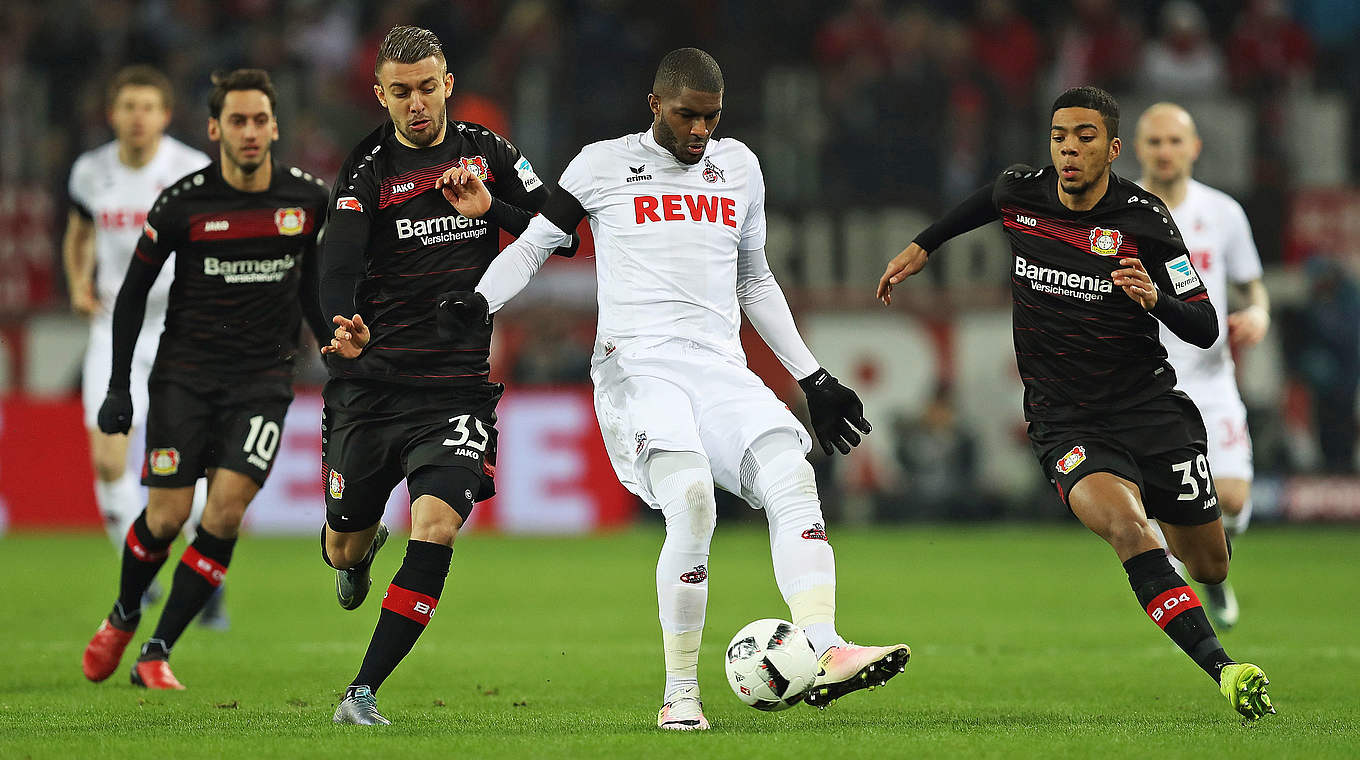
(1158, 445)
(191, 428)
(374, 434)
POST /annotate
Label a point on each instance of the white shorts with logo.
(681, 396)
(1225, 420)
(94, 383)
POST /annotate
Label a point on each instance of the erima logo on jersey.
(1184, 278)
(679, 208)
(525, 171)
(442, 229)
(1062, 283)
(249, 270)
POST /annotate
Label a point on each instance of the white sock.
(1176, 564)
(190, 529)
(683, 485)
(119, 504)
(1236, 524)
(776, 476)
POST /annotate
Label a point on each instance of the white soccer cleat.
(850, 668)
(683, 712)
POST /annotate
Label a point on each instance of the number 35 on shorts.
(470, 436)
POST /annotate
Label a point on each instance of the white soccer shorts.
(681, 396)
(94, 384)
(1225, 420)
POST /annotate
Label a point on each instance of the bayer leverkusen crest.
(476, 165)
(290, 221)
(1105, 242)
(335, 483)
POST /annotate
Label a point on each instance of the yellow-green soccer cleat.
(1244, 685)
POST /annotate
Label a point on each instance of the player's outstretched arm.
(975, 211)
(1194, 322)
(1248, 326)
(129, 309)
(905, 264)
(77, 253)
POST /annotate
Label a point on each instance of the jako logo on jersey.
(163, 461)
(290, 221)
(249, 270)
(674, 208)
(698, 575)
(335, 485)
(1028, 221)
(216, 225)
(1059, 282)
(1071, 459)
(477, 166)
(349, 202)
(1105, 242)
(1184, 278)
(404, 187)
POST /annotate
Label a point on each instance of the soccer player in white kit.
(1220, 242)
(111, 189)
(679, 226)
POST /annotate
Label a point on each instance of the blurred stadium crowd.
(869, 116)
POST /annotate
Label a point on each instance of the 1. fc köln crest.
(1105, 242)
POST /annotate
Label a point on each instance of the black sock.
(199, 572)
(143, 555)
(1173, 606)
(406, 610)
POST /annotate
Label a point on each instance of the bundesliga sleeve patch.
(1183, 276)
(349, 202)
(526, 174)
(150, 232)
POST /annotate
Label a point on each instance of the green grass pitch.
(1026, 643)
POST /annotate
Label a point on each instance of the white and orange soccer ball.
(771, 664)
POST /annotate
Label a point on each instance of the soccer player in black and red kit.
(1097, 262)
(415, 214)
(244, 232)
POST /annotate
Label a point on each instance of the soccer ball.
(771, 664)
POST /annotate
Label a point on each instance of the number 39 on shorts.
(1188, 470)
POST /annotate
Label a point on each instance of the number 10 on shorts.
(261, 442)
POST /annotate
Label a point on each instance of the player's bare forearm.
(905, 264)
(77, 253)
(1249, 325)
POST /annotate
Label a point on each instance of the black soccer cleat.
(351, 586)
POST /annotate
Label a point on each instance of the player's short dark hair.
(1095, 99)
(240, 79)
(141, 75)
(408, 44)
(687, 67)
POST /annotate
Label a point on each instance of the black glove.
(460, 310)
(115, 414)
(834, 408)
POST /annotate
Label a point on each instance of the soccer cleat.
(351, 586)
(359, 708)
(104, 651)
(1244, 685)
(850, 668)
(155, 674)
(1222, 605)
(683, 712)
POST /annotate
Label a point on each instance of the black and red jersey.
(1082, 345)
(415, 246)
(236, 301)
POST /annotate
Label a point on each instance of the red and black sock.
(406, 610)
(143, 555)
(1175, 608)
(200, 571)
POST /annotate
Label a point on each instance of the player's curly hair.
(408, 44)
(1095, 99)
(141, 75)
(240, 79)
(687, 67)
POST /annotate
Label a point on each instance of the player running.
(679, 224)
(1112, 434)
(1220, 243)
(402, 402)
(244, 231)
(111, 189)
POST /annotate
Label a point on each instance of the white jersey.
(1216, 232)
(116, 198)
(667, 237)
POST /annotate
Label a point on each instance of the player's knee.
(345, 550)
(1209, 569)
(688, 504)
(784, 486)
(223, 519)
(108, 468)
(1131, 534)
(165, 523)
